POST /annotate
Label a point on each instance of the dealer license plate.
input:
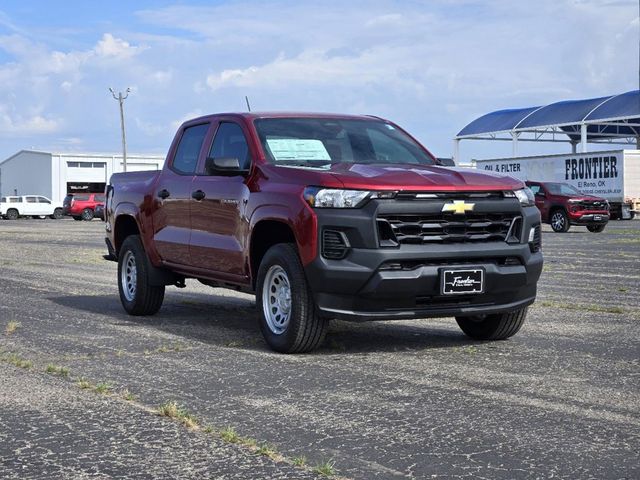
(597, 218)
(462, 282)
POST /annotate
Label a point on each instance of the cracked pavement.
(402, 399)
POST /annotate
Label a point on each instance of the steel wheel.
(129, 276)
(276, 299)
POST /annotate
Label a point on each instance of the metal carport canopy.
(613, 119)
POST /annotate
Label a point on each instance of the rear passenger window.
(230, 142)
(186, 157)
(81, 198)
(32, 200)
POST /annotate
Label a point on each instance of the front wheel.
(289, 318)
(137, 295)
(595, 228)
(560, 221)
(498, 326)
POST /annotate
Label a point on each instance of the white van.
(36, 206)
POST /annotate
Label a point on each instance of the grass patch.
(56, 370)
(634, 241)
(583, 308)
(84, 384)
(623, 290)
(300, 461)
(103, 388)
(128, 396)
(11, 327)
(16, 361)
(267, 450)
(173, 410)
(326, 469)
(230, 435)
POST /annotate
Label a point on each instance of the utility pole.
(121, 98)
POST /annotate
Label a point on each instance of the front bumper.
(595, 218)
(362, 286)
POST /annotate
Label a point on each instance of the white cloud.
(110, 46)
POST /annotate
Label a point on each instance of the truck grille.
(447, 228)
(591, 205)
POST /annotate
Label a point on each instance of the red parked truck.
(325, 216)
(562, 205)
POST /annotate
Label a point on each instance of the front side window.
(230, 142)
(44, 200)
(99, 198)
(186, 157)
(322, 142)
(535, 189)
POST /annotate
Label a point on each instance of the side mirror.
(223, 166)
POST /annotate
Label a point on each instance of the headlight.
(335, 198)
(525, 196)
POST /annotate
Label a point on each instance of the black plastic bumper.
(405, 282)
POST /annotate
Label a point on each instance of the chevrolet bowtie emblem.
(459, 207)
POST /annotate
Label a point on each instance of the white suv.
(37, 206)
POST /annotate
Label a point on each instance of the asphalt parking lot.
(404, 399)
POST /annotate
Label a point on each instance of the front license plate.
(462, 282)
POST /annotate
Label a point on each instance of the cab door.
(218, 206)
(172, 196)
(31, 206)
(541, 199)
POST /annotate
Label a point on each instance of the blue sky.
(432, 66)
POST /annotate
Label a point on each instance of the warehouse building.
(54, 174)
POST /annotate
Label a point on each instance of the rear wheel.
(87, 214)
(498, 326)
(289, 318)
(12, 214)
(137, 295)
(560, 221)
(57, 214)
(595, 228)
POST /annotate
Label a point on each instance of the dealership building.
(54, 174)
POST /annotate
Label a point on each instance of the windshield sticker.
(297, 149)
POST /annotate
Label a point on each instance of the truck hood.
(419, 177)
(583, 198)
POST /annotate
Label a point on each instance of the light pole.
(121, 98)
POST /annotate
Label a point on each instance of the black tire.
(498, 326)
(596, 228)
(58, 213)
(87, 215)
(305, 328)
(12, 214)
(145, 299)
(77, 218)
(559, 221)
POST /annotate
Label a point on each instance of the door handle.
(198, 195)
(164, 193)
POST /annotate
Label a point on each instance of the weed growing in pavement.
(103, 388)
(127, 395)
(208, 429)
(229, 434)
(623, 290)
(15, 360)
(325, 468)
(300, 461)
(173, 410)
(84, 384)
(11, 327)
(267, 450)
(56, 370)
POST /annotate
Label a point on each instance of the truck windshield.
(322, 142)
(562, 189)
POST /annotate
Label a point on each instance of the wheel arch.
(265, 234)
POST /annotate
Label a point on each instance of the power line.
(121, 98)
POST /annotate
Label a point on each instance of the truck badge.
(458, 207)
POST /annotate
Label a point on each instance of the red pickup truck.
(325, 216)
(562, 205)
